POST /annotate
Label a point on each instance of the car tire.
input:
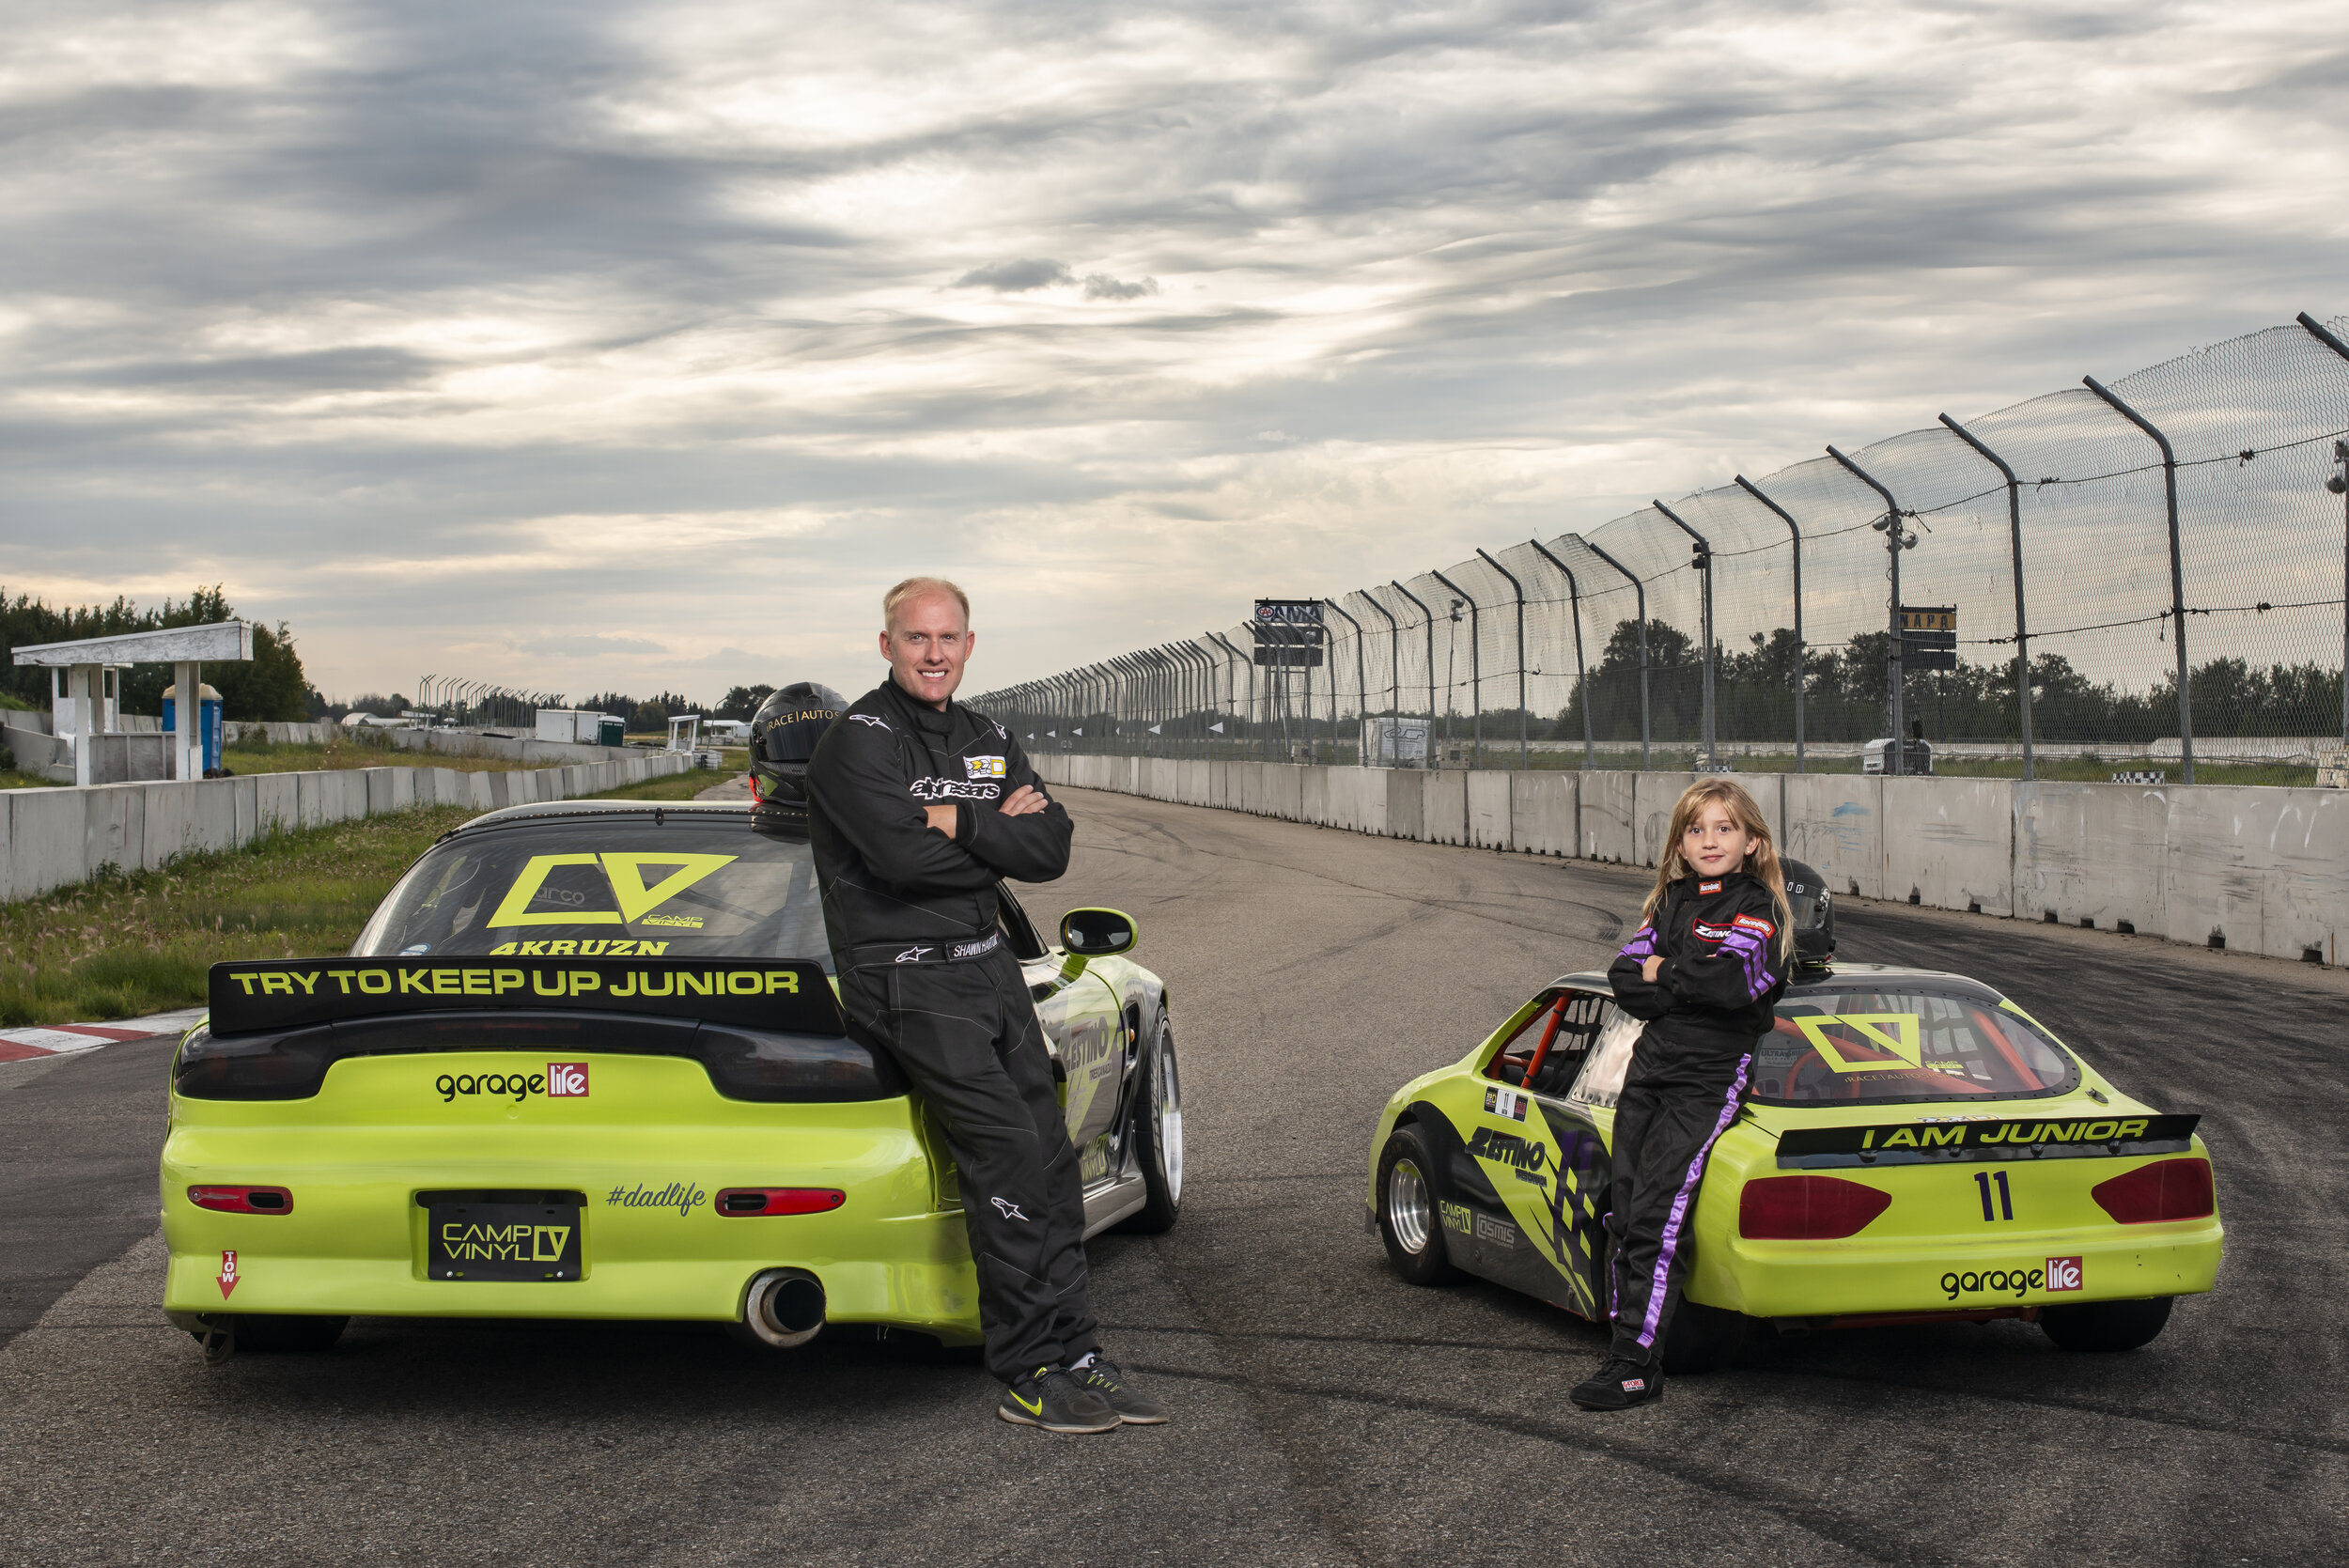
(1157, 1133)
(1704, 1338)
(2106, 1326)
(271, 1332)
(1407, 1222)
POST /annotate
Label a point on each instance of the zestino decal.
(1507, 1148)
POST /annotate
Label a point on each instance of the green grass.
(355, 749)
(128, 945)
(679, 786)
(11, 778)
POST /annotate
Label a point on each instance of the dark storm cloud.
(474, 326)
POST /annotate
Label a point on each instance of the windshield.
(608, 887)
(1833, 1046)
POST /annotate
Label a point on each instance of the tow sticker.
(227, 1276)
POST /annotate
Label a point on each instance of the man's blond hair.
(919, 587)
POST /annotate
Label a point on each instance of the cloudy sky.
(581, 345)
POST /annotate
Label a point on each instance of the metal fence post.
(1250, 720)
(2014, 541)
(1395, 664)
(1476, 676)
(1703, 561)
(1427, 753)
(2340, 454)
(1802, 655)
(2177, 567)
(1581, 688)
(1641, 589)
(1517, 589)
(1362, 691)
(1896, 538)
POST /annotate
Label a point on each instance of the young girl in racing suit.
(1707, 962)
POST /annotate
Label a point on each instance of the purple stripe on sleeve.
(1680, 1208)
(1749, 947)
(1642, 945)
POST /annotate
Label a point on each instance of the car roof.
(555, 810)
(1838, 979)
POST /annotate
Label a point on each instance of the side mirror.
(1095, 933)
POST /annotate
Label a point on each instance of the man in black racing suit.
(916, 806)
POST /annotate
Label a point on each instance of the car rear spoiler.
(271, 995)
(2024, 1138)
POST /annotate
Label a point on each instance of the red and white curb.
(21, 1045)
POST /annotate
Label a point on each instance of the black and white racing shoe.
(1133, 1408)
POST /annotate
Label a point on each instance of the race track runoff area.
(1324, 1412)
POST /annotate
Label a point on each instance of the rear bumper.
(1839, 1279)
(355, 1241)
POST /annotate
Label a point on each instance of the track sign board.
(1928, 636)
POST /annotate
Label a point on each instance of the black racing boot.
(1132, 1406)
(1620, 1385)
(1051, 1398)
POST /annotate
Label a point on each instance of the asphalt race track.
(1324, 1411)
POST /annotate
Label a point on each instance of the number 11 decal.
(2006, 1199)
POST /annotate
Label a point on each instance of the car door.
(1547, 1157)
(1084, 1028)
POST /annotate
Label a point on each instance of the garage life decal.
(251, 997)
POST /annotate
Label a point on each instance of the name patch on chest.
(1706, 930)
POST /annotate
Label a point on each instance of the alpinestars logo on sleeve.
(868, 719)
(1008, 1209)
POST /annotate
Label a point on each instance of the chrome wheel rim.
(1169, 1113)
(1406, 1206)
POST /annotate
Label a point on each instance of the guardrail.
(51, 838)
(2255, 868)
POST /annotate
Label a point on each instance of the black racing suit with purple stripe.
(1711, 1000)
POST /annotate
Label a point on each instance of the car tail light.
(754, 1201)
(1807, 1208)
(2166, 1189)
(242, 1199)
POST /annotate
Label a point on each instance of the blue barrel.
(207, 731)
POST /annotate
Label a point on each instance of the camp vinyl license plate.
(488, 1240)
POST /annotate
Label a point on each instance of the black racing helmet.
(1815, 917)
(784, 734)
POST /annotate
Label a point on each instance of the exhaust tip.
(785, 1306)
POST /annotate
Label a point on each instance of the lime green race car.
(1916, 1149)
(587, 1061)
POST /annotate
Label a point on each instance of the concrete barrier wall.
(2260, 869)
(52, 838)
(537, 754)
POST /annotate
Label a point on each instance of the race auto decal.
(2056, 1275)
(1914, 1143)
(984, 768)
(278, 994)
(1505, 1102)
(527, 902)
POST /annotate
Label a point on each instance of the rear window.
(1829, 1048)
(596, 887)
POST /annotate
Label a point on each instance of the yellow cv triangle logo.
(1894, 1032)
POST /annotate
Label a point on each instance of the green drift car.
(1916, 1149)
(587, 1062)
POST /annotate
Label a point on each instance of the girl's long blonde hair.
(1761, 860)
